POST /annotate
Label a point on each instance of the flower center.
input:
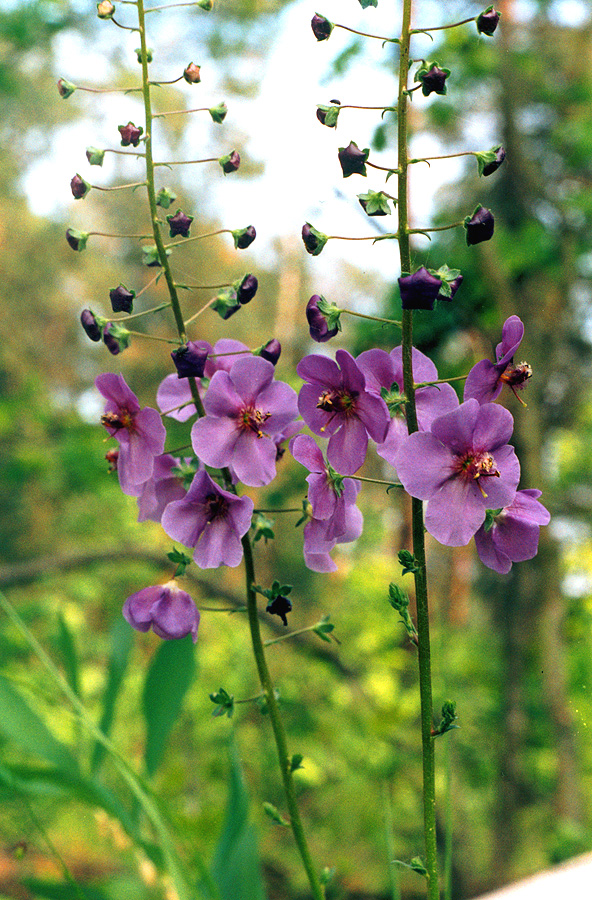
(515, 376)
(474, 466)
(216, 506)
(252, 419)
(118, 420)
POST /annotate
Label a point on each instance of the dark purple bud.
(65, 88)
(487, 21)
(314, 240)
(130, 134)
(454, 286)
(230, 163)
(328, 115)
(105, 9)
(95, 156)
(121, 299)
(272, 351)
(191, 74)
(244, 237)
(90, 325)
(164, 198)
(111, 343)
(226, 303)
(279, 606)
(419, 291)
(490, 161)
(77, 239)
(190, 359)
(317, 322)
(479, 226)
(79, 187)
(179, 224)
(247, 289)
(115, 338)
(352, 160)
(321, 27)
(433, 80)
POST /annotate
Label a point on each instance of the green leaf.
(167, 682)
(236, 868)
(366, 3)
(68, 651)
(122, 638)
(63, 890)
(275, 815)
(20, 724)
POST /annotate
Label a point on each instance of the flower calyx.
(489, 161)
(230, 163)
(451, 281)
(77, 239)
(324, 319)
(328, 115)
(448, 719)
(165, 197)
(95, 156)
(314, 240)
(376, 203)
(65, 88)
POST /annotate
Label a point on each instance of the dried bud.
(419, 291)
(489, 161)
(77, 239)
(375, 203)
(352, 160)
(95, 156)
(226, 303)
(322, 325)
(149, 54)
(164, 198)
(328, 115)
(179, 224)
(230, 162)
(279, 606)
(246, 289)
(191, 74)
(432, 78)
(115, 338)
(79, 187)
(190, 359)
(218, 113)
(65, 88)
(487, 21)
(244, 237)
(479, 226)
(130, 134)
(321, 27)
(105, 9)
(271, 351)
(90, 324)
(314, 240)
(121, 299)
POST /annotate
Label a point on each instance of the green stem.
(350, 312)
(421, 593)
(378, 37)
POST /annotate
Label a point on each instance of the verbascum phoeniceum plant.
(454, 458)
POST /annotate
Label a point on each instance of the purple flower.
(210, 520)
(174, 398)
(162, 488)
(190, 359)
(244, 409)
(486, 379)
(122, 299)
(479, 227)
(317, 322)
(384, 377)
(170, 612)
(179, 224)
(419, 291)
(335, 402)
(139, 432)
(224, 355)
(512, 534)
(462, 467)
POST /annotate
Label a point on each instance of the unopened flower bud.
(150, 256)
(179, 224)
(130, 134)
(105, 9)
(353, 160)
(190, 359)
(314, 240)
(89, 323)
(375, 203)
(115, 338)
(321, 27)
(487, 21)
(122, 300)
(218, 113)
(230, 162)
(479, 226)
(79, 187)
(328, 115)
(77, 239)
(489, 161)
(226, 303)
(433, 79)
(322, 327)
(65, 88)
(191, 74)
(451, 281)
(279, 606)
(149, 54)
(271, 351)
(164, 198)
(95, 156)
(208, 5)
(246, 289)
(419, 291)
(244, 237)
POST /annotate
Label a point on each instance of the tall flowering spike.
(486, 379)
(419, 291)
(130, 134)
(479, 227)
(169, 611)
(512, 534)
(79, 187)
(334, 402)
(245, 408)
(139, 432)
(191, 73)
(190, 359)
(122, 299)
(462, 467)
(353, 160)
(321, 27)
(313, 240)
(432, 78)
(487, 21)
(179, 224)
(210, 520)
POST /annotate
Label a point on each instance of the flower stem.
(421, 593)
(440, 27)
(378, 37)
(351, 312)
